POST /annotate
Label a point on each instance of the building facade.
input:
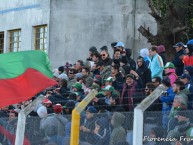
(66, 29)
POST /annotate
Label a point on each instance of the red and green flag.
(23, 75)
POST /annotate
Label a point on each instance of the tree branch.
(173, 11)
(146, 33)
(179, 29)
(153, 10)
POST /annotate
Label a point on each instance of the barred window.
(41, 37)
(14, 40)
(1, 42)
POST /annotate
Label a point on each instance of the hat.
(77, 86)
(185, 76)
(58, 108)
(109, 79)
(63, 76)
(160, 49)
(179, 44)
(47, 101)
(169, 65)
(93, 49)
(166, 81)
(42, 112)
(129, 76)
(144, 52)
(108, 88)
(61, 68)
(91, 109)
(120, 44)
(104, 48)
(113, 44)
(70, 104)
(95, 86)
(78, 75)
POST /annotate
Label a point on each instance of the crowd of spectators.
(122, 83)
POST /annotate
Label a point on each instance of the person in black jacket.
(131, 62)
(178, 58)
(143, 72)
(117, 78)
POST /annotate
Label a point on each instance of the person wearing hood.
(162, 52)
(118, 134)
(101, 133)
(144, 52)
(143, 71)
(131, 62)
(169, 69)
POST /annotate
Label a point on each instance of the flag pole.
(22, 119)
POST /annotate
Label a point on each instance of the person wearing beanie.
(167, 99)
(54, 125)
(88, 125)
(132, 89)
(169, 69)
(162, 52)
(144, 52)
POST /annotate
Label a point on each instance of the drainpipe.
(134, 29)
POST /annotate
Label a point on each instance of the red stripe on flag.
(23, 87)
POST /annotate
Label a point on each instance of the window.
(41, 37)
(1, 42)
(15, 40)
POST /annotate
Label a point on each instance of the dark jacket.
(145, 74)
(107, 61)
(178, 62)
(118, 82)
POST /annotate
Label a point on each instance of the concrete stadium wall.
(76, 25)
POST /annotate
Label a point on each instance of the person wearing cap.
(185, 78)
(156, 65)
(78, 88)
(108, 81)
(54, 125)
(143, 71)
(108, 91)
(117, 78)
(167, 99)
(69, 106)
(169, 69)
(132, 86)
(120, 46)
(88, 126)
(188, 59)
(177, 61)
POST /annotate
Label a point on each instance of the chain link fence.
(106, 128)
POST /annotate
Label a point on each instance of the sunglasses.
(103, 55)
